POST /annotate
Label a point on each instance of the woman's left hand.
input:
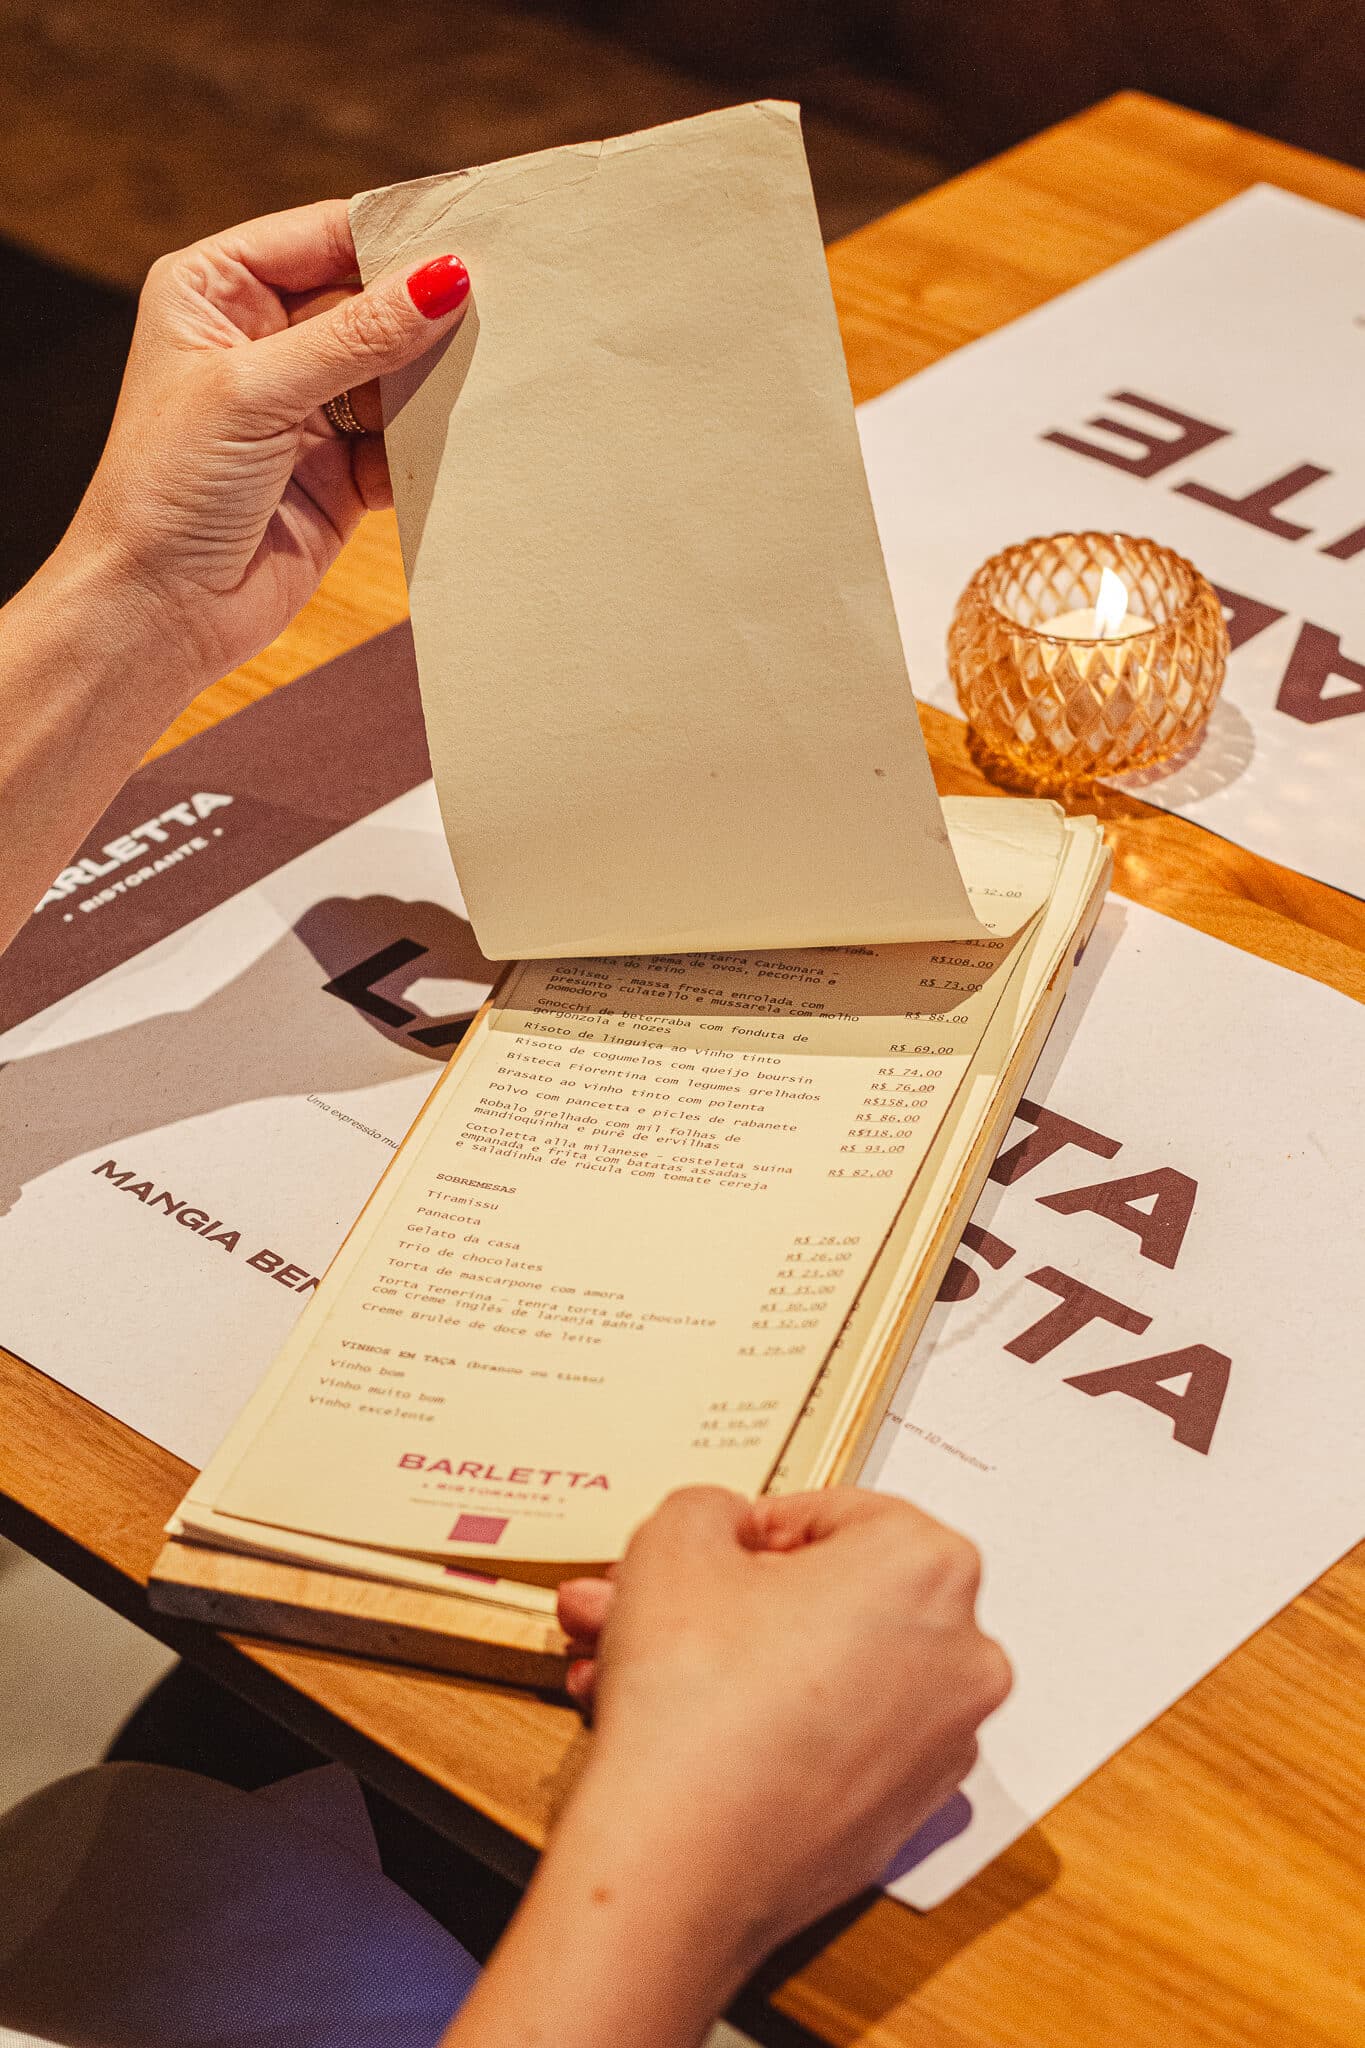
(222, 496)
(224, 492)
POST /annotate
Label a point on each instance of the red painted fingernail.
(439, 287)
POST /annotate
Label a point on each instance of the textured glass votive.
(1053, 711)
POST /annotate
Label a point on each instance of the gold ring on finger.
(340, 413)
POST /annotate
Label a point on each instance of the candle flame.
(1111, 606)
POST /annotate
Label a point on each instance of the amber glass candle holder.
(1051, 711)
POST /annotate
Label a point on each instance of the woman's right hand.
(782, 1692)
(785, 1691)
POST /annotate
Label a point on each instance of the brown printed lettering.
(1350, 544)
(961, 1281)
(1160, 451)
(1317, 657)
(1194, 1412)
(357, 985)
(1079, 1306)
(1160, 1229)
(1257, 508)
(1245, 616)
(1052, 1134)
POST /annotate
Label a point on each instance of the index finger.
(294, 251)
(788, 1521)
(365, 400)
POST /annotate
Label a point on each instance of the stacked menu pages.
(681, 1201)
(664, 1221)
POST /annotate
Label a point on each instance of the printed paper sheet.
(1143, 1399)
(1205, 392)
(206, 1062)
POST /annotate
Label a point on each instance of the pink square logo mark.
(478, 1528)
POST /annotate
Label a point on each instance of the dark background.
(128, 127)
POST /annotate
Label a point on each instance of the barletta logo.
(478, 1528)
(227, 809)
(514, 1475)
(142, 840)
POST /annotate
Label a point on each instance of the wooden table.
(1205, 1886)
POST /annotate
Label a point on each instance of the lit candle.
(1054, 704)
(1107, 619)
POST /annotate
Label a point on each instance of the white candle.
(1106, 621)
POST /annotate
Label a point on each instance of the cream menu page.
(663, 682)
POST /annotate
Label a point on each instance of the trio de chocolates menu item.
(620, 1245)
(664, 687)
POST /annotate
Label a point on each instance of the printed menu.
(619, 1246)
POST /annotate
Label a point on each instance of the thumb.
(371, 334)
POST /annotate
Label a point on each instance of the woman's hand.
(222, 496)
(801, 1680)
(224, 493)
(782, 1694)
